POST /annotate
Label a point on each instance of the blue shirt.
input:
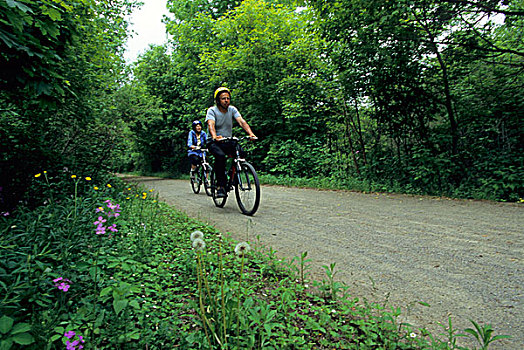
(192, 140)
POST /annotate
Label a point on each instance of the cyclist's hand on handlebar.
(218, 138)
(253, 137)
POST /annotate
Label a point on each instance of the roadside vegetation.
(102, 264)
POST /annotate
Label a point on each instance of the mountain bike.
(243, 178)
(202, 175)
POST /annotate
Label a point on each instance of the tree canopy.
(412, 96)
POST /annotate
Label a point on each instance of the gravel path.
(463, 258)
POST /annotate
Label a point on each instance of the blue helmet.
(195, 123)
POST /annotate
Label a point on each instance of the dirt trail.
(463, 258)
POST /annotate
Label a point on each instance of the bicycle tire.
(247, 189)
(219, 202)
(206, 178)
(195, 181)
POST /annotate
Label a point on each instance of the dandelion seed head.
(197, 235)
(242, 248)
(199, 244)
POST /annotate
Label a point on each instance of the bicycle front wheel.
(247, 189)
(195, 181)
(219, 201)
(206, 178)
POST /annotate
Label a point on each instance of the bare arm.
(212, 130)
(246, 127)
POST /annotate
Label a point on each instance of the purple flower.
(69, 334)
(64, 286)
(100, 221)
(100, 230)
(72, 345)
(112, 228)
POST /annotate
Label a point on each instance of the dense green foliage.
(415, 96)
(412, 96)
(61, 65)
(105, 265)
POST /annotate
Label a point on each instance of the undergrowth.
(104, 265)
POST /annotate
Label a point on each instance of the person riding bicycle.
(219, 119)
(196, 140)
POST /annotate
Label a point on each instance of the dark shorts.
(194, 159)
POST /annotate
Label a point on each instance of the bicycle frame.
(241, 177)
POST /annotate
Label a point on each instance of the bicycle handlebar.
(233, 138)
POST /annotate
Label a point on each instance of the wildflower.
(242, 248)
(109, 185)
(76, 344)
(38, 175)
(69, 334)
(199, 244)
(151, 190)
(100, 230)
(112, 228)
(88, 178)
(100, 221)
(73, 176)
(62, 283)
(197, 235)
(45, 171)
(413, 335)
(5, 214)
(95, 188)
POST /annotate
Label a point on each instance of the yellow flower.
(45, 171)
(100, 209)
(96, 188)
(129, 188)
(38, 175)
(73, 176)
(144, 194)
(154, 201)
(88, 178)
(151, 190)
(109, 185)
(128, 197)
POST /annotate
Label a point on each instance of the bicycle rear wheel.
(247, 189)
(219, 201)
(195, 181)
(206, 178)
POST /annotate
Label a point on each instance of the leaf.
(23, 339)
(105, 291)
(134, 304)
(13, 4)
(119, 305)
(6, 323)
(21, 328)
(6, 344)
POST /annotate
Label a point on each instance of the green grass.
(145, 286)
